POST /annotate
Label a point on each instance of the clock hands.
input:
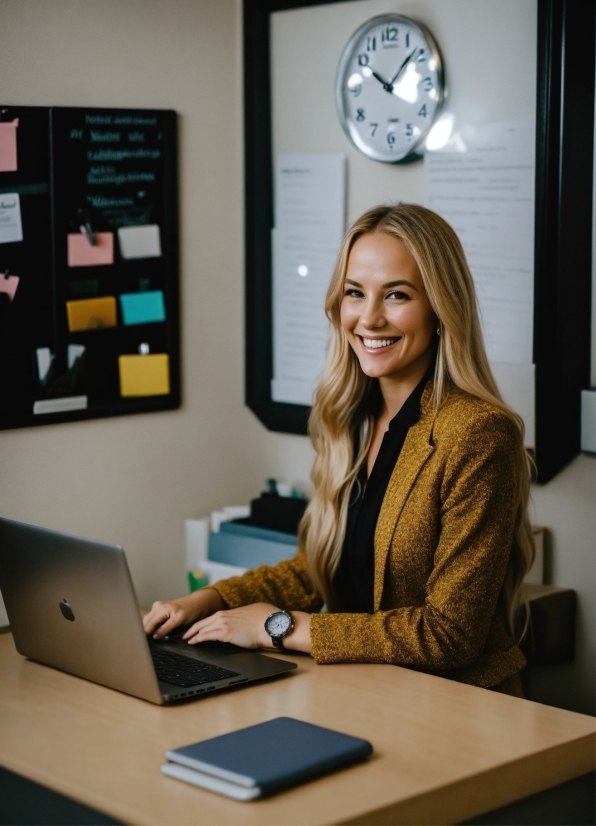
(402, 67)
(388, 84)
(388, 87)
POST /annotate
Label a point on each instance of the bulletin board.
(287, 113)
(88, 264)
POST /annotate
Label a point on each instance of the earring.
(438, 331)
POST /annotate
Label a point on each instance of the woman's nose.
(372, 315)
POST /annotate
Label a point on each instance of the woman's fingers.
(241, 626)
(162, 618)
(214, 627)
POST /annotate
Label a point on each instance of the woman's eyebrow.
(399, 283)
(385, 286)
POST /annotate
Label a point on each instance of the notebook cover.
(272, 755)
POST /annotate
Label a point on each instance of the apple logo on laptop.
(66, 610)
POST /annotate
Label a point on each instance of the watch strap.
(278, 642)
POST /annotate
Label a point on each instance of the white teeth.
(375, 343)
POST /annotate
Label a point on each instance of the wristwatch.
(277, 625)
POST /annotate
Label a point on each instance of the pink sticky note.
(82, 254)
(8, 146)
(9, 284)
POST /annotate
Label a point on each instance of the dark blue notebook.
(265, 758)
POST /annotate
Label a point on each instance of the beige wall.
(134, 479)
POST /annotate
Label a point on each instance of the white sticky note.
(73, 352)
(11, 227)
(65, 405)
(44, 360)
(140, 242)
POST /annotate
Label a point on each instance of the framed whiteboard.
(505, 60)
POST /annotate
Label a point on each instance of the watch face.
(389, 87)
(278, 624)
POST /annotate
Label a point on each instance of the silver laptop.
(71, 605)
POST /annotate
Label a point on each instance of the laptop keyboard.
(184, 671)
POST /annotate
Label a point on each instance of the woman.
(416, 536)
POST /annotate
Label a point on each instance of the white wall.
(134, 479)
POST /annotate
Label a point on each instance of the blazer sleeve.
(286, 585)
(450, 629)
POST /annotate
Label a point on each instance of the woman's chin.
(377, 370)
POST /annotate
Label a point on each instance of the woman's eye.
(353, 293)
(398, 295)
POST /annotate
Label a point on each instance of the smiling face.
(385, 312)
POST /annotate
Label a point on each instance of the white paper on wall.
(11, 226)
(310, 197)
(483, 185)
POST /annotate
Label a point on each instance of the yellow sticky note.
(144, 375)
(91, 313)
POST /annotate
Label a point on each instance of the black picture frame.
(563, 224)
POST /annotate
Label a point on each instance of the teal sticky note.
(143, 308)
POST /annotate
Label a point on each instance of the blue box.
(143, 308)
(246, 551)
(256, 532)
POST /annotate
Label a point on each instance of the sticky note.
(142, 308)
(144, 375)
(140, 242)
(91, 313)
(11, 227)
(65, 405)
(44, 361)
(74, 352)
(9, 284)
(83, 254)
(8, 146)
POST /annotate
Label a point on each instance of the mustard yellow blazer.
(442, 545)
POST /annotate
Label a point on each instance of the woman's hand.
(165, 616)
(246, 627)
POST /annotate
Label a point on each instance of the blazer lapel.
(416, 450)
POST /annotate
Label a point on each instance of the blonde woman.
(416, 536)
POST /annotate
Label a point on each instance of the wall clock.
(389, 87)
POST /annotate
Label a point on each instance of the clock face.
(389, 87)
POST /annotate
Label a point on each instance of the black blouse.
(354, 580)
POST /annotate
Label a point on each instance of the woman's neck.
(396, 389)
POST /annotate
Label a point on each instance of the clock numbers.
(363, 59)
(371, 44)
(421, 55)
(391, 139)
(427, 84)
(407, 40)
(373, 129)
(355, 90)
(423, 113)
(389, 34)
(360, 116)
(409, 130)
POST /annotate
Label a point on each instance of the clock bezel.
(347, 56)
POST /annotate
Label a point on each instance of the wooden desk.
(444, 752)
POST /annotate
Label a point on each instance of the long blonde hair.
(341, 424)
